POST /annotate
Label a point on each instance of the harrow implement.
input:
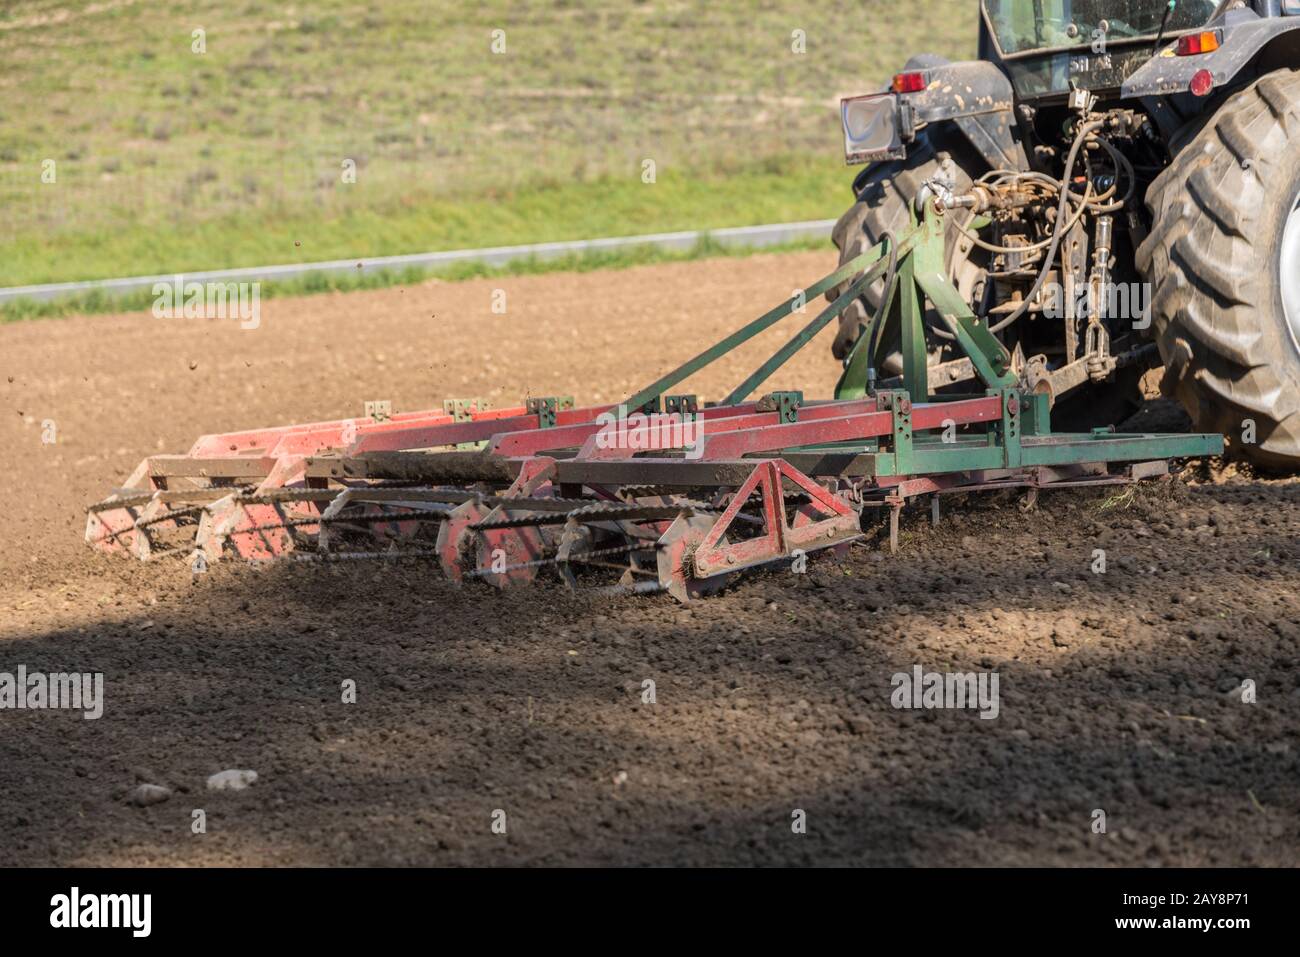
(660, 492)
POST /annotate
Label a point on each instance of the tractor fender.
(1245, 36)
(977, 97)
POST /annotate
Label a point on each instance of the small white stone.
(146, 794)
(232, 780)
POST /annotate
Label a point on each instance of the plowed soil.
(1119, 691)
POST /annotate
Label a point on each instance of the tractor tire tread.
(1206, 256)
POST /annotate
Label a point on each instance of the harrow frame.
(514, 491)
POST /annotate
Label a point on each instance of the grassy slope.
(170, 160)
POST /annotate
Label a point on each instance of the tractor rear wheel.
(1223, 257)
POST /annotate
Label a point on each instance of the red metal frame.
(838, 523)
(727, 437)
(728, 433)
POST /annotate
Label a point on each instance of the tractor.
(1123, 185)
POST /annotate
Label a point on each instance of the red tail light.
(1196, 43)
(909, 82)
(1202, 83)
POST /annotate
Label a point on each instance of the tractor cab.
(1048, 47)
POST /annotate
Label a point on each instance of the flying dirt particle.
(194, 364)
(11, 378)
(297, 242)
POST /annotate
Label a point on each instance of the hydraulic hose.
(1085, 130)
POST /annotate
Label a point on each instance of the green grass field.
(166, 159)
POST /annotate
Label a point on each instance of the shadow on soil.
(771, 697)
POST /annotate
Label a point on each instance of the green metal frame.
(921, 275)
(1021, 438)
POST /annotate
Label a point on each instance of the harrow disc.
(676, 557)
